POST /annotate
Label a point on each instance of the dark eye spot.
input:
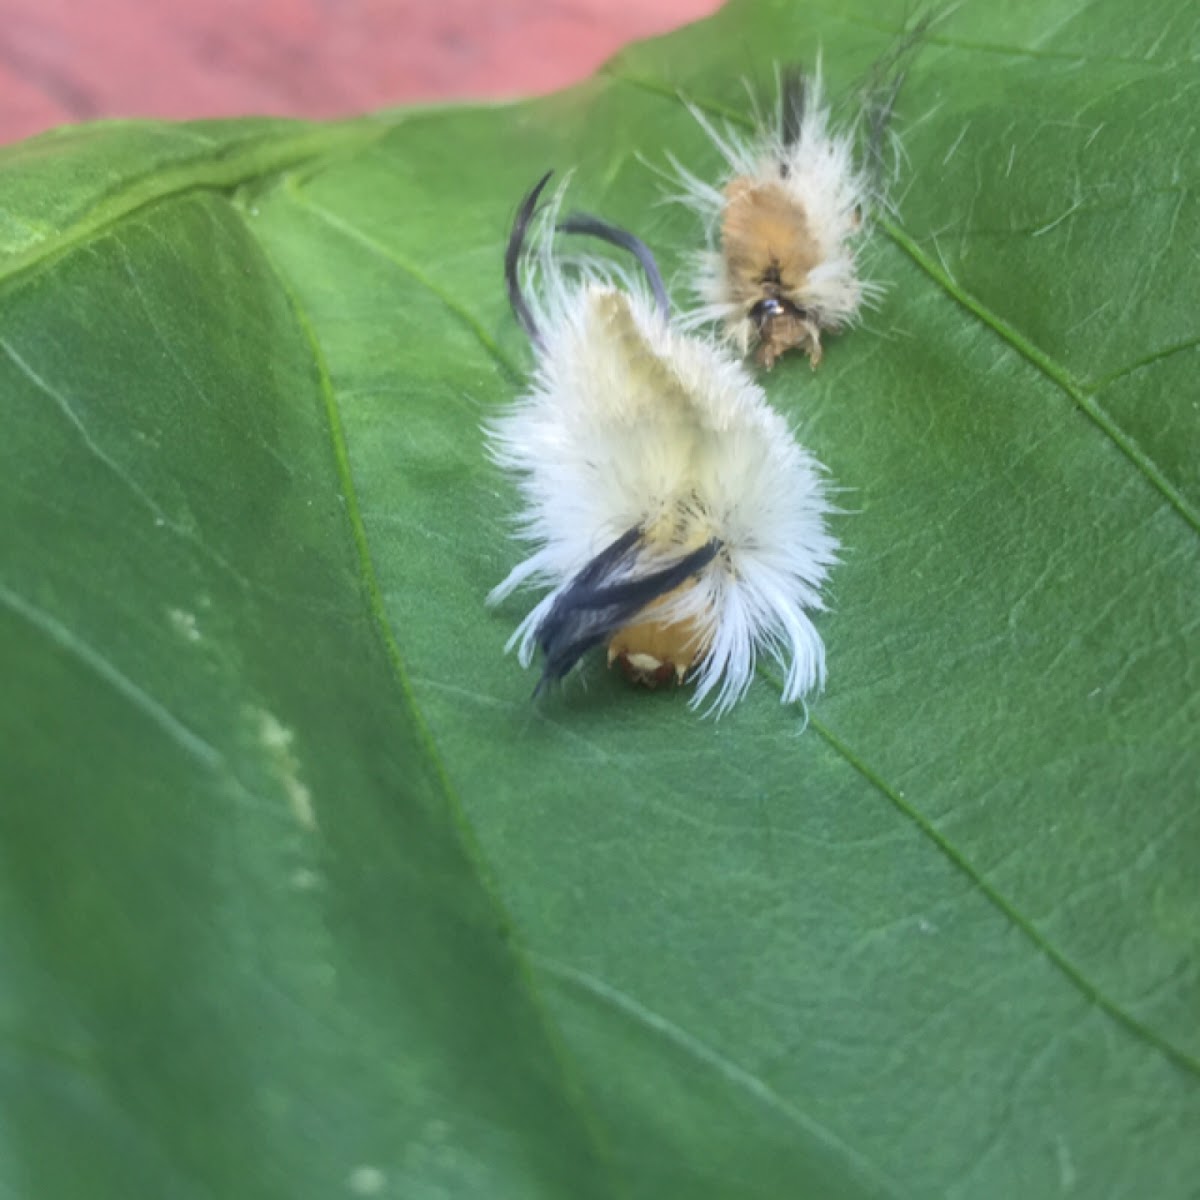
(766, 310)
(769, 308)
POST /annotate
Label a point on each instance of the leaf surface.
(300, 895)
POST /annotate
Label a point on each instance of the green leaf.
(301, 896)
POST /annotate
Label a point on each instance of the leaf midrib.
(217, 171)
(572, 1090)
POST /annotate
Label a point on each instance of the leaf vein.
(1073, 974)
(1156, 356)
(1053, 371)
(184, 737)
(77, 423)
(734, 1073)
(373, 595)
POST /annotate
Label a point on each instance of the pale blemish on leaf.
(184, 623)
(367, 1181)
(303, 879)
(1066, 1165)
(276, 739)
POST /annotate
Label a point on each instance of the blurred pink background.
(71, 60)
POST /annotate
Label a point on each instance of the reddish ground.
(71, 60)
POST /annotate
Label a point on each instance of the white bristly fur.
(827, 183)
(617, 430)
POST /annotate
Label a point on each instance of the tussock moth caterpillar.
(671, 513)
(784, 224)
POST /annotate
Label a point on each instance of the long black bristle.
(881, 89)
(591, 610)
(793, 99)
(592, 226)
(512, 260)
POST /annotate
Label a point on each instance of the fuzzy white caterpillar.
(784, 223)
(671, 513)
